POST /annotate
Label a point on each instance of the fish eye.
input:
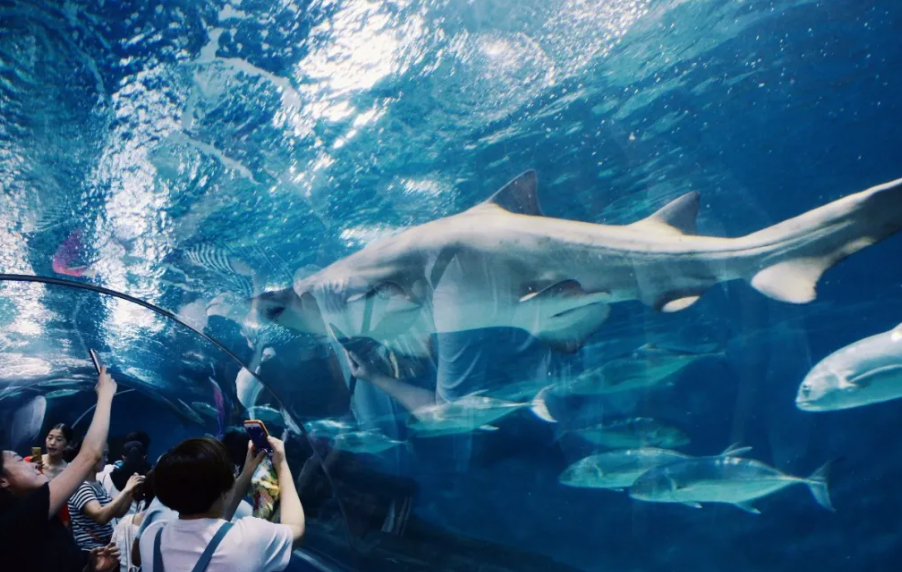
(275, 312)
(806, 389)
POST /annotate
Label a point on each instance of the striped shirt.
(88, 534)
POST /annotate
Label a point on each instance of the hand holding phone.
(96, 360)
(256, 430)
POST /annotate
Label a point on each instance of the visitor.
(92, 510)
(51, 464)
(32, 537)
(115, 477)
(126, 531)
(195, 478)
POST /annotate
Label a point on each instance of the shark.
(503, 263)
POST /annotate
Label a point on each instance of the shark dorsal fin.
(518, 196)
(676, 216)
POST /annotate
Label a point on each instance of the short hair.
(191, 476)
(235, 441)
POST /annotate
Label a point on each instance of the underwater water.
(277, 181)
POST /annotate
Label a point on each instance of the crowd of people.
(69, 510)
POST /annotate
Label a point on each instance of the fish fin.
(735, 450)
(790, 281)
(677, 216)
(795, 280)
(846, 382)
(487, 428)
(692, 504)
(817, 482)
(747, 507)
(539, 408)
(585, 321)
(518, 196)
(562, 289)
(679, 304)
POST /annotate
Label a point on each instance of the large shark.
(503, 264)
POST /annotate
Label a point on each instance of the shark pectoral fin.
(692, 504)
(487, 428)
(679, 304)
(747, 507)
(558, 291)
(677, 216)
(670, 302)
(582, 323)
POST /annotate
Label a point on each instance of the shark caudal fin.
(801, 249)
(817, 482)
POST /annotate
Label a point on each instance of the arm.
(243, 482)
(410, 396)
(292, 512)
(117, 508)
(62, 487)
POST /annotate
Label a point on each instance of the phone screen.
(258, 434)
(36, 454)
(95, 359)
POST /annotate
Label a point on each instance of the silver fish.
(327, 428)
(467, 414)
(729, 480)
(371, 442)
(632, 433)
(619, 469)
(205, 409)
(555, 278)
(865, 372)
(59, 393)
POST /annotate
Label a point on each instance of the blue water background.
(157, 128)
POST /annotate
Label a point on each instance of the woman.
(31, 535)
(134, 461)
(53, 462)
(92, 510)
(126, 530)
(195, 478)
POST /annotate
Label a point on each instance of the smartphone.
(256, 430)
(36, 454)
(96, 360)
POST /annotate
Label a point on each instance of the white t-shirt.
(252, 545)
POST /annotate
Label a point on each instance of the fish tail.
(539, 408)
(817, 482)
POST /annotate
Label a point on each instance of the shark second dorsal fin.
(676, 216)
(518, 196)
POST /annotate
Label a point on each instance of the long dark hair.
(134, 461)
(66, 431)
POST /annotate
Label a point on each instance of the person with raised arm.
(31, 535)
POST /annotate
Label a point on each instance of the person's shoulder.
(257, 527)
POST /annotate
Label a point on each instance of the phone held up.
(96, 360)
(256, 430)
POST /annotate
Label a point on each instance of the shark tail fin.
(817, 482)
(539, 408)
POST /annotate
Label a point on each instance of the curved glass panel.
(524, 280)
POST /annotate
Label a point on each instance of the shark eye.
(274, 312)
(806, 389)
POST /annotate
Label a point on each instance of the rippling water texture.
(195, 153)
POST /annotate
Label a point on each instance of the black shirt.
(30, 541)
